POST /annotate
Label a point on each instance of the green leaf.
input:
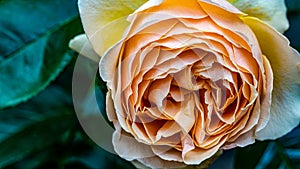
(33, 138)
(291, 147)
(34, 44)
(253, 152)
(24, 21)
(293, 32)
(281, 153)
(35, 125)
(293, 6)
(98, 158)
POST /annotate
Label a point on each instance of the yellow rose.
(189, 78)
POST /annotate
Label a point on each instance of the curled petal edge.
(285, 61)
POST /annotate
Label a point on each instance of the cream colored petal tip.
(98, 13)
(104, 21)
(149, 4)
(82, 45)
(272, 12)
(284, 60)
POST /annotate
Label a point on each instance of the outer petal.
(82, 45)
(156, 162)
(128, 147)
(149, 4)
(272, 12)
(223, 4)
(285, 107)
(104, 21)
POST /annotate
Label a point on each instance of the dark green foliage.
(281, 153)
(33, 46)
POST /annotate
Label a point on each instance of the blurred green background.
(38, 125)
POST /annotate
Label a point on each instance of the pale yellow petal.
(82, 45)
(272, 12)
(284, 60)
(101, 12)
(104, 21)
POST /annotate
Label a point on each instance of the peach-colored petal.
(186, 118)
(223, 4)
(242, 141)
(285, 107)
(229, 21)
(128, 147)
(266, 97)
(170, 128)
(149, 4)
(198, 155)
(156, 162)
(167, 153)
(190, 9)
(159, 90)
(108, 72)
(110, 108)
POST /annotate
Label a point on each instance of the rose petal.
(116, 118)
(110, 108)
(149, 4)
(104, 21)
(159, 90)
(156, 162)
(242, 141)
(190, 9)
(285, 107)
(223, 4)
(198, 155)
(128, 147)
(82, 45)
(231, 22)
(167, 153)
(272, 12)
(266, 98)
(108, 72)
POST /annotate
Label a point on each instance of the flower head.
(188, 79)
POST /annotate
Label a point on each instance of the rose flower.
(189, 78)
